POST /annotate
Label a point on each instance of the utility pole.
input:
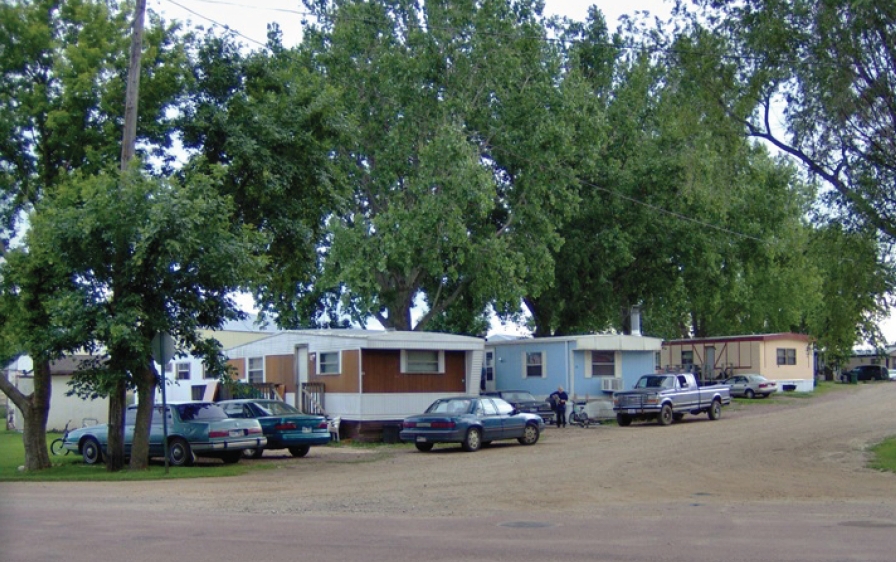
(132, 93)
(118, 395)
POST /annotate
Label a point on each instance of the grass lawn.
(884, 455)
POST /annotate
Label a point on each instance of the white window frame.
(318, 360)
(178, 369)
(249, 369)
(525, 362)
(789, 352)
(589, 364)
(404, 362)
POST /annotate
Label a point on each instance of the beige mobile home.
(787, 358)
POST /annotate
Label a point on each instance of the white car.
(750, 386)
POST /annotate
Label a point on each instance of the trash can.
(853, 377)
(390, 432)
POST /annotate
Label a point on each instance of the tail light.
(253, 431)
(443, 425)
(408, 425)
(323, 425)
(218, 433)
(284, 426)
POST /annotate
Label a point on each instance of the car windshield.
(200, 411)
(453, 406)
(654, 381)
(275, 408)
(518, 397)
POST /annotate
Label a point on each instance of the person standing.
(558, 400)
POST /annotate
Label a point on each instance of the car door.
(738, 385)
(512, 424)
(487, 413)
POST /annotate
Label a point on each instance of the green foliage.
(169, 268)
(464, 162)
(62, 84)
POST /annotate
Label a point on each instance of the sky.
(249, 18)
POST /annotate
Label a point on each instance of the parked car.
(194, 429)
(867, 373)
(524, 401)
(472, 421)
(284, 426)
(750, 386)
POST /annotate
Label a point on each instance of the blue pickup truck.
(668, 397)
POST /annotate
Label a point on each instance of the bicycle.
(579, 415)
(56, 447)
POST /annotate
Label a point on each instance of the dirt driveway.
(782, 450)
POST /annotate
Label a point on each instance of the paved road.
(772, 481)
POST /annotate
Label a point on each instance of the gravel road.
(785, 449)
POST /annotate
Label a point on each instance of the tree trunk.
(35, 409)
(117, 407)
(540, 316)
(146, 394)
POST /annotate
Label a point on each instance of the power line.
(217, 23)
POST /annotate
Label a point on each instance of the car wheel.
(179, 452)
(232, 457)
(472, 440)
(530, 435)
(91, 451)
(253, 453)
(749, 393)
(665, 417)
(423, 447)
(623, 420)
(715, 411)
(300, 450)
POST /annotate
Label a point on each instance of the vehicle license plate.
(632, 411)
(306, 430)
(236, 432)
(421, 439)
(424, 424)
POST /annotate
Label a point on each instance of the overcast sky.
(250, 17)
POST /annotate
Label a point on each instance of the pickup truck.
(667, 398)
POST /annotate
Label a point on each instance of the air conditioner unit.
(610, 384)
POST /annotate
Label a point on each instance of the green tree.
(272, 123)
(170, 267)
(463, 164)
(63, 64)
(817, 79)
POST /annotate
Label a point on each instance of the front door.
(300, 368)
(487, 383)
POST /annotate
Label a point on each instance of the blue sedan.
(472, 421)
(194, 429)
(284, 426)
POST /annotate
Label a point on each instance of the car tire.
(253, 453)
(91, 451)
(530, 435)
(749, 393)
(180, 453)
(665, 417)
(232, 457)
(299, 450)
(715, 410)
(472, 440)
(623, 420)
(423, 447)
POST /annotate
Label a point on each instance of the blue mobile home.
(590, 366)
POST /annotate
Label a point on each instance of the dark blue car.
(283, 425)
(472, 421)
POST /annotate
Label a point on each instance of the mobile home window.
(786, 356)
(256, 370)
(207, 374)
(422, 361)
(183, 371)
(328, 363)
(603, 364)
(687, 358)
(534, 364)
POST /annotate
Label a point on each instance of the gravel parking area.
(783, 449)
